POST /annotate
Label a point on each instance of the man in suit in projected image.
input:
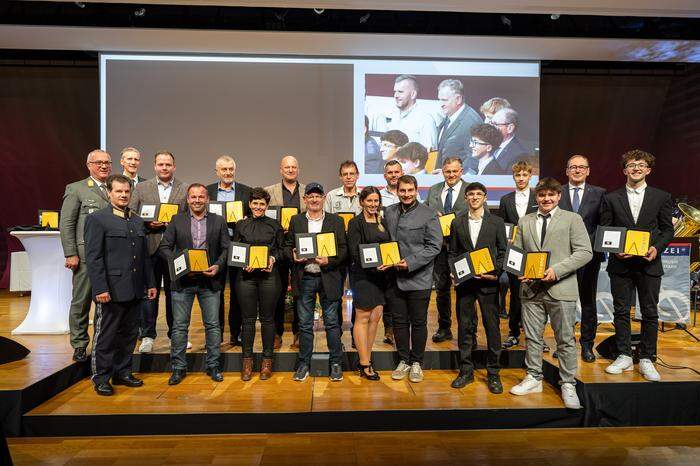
(453, 133)
(511, 149)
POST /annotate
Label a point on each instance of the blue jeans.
(182, 311)
(309, 288)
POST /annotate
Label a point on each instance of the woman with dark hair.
(258, 289)
(367, 285)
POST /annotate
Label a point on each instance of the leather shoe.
(128, 380)
(442, 335)
(215, 374)
(235, 341)
(104, 389)
(587, 354)
(177, 376)
(80, 355)
(462, 380)
(494, 384)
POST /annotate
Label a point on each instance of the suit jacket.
(454, 141)
(80, 199)
(512, 152)
(654, 216)
(147, 193)
(493, 168)
(570, 247)
(333, 274)
(589, 210)
(117, 256)
(178, 237)
(277, 199)
(434, 199)
(492, 235)
(507, 210)
(242, 194)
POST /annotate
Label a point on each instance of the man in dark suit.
(446, 197)
(511, 149)
(639, 207)
(321, 276)
(196, 229)
(585, 199)
(229, 190)
(512, 208)
(453, 133)
(118, 264)
(471, 231)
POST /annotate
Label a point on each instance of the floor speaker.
(11, 351)
(608, 347)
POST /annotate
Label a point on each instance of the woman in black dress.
(258, 289)
(367, 285)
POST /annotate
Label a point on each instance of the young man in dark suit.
(474, 230)
(585, 199)
(640, 207)
(321, 276)
(513, 207)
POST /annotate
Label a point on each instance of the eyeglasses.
(104, 163)
(476, 195)
(476, 142)
(641, 165)
(577, 167)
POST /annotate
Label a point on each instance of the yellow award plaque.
(446, 223)
(325, 245)
(167, 211)
(286, 214)
(637, 242)
(199, 261)
(346, 216)
(258, 257)
(234, 211)
(390, 253)
(536, 264)
(48, 218)
(431, 162)
(481, 261)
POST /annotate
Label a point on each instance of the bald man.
(80, 200)
(287, 193)
(409, 116)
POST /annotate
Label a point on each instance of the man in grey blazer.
(444, 198)
(80, 200)
(164, 188)
(453, 133)
(564, 235)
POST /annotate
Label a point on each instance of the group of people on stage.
(118, 260)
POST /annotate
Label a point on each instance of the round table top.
(36, 233)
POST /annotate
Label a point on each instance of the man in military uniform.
(81, 199)
(120, 272)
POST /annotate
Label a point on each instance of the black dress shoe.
(442, 335)
(215, 374)
(104, 389)
(502, 314)
(462, 380)
(128, 380)
(177, 376)
(494, 384)
(80, 355)
(235, 341)
(587, 354)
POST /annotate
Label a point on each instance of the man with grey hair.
(511, 149)
(409, 117)
(453, 133)
(80, 200)
(130, 162)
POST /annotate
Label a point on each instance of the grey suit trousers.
(78, 317)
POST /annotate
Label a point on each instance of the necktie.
(103, 189)
(544, 227)
(576, 201)
(445, 125)
(447, 208)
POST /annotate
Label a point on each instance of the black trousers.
(149, 313)
(258, 293)
(116, 329)
(235, 320)
(283, 268)
(467, 296)
(623, 288)
(443, 288)
(410, 313)
(515, 311)
(587, 277)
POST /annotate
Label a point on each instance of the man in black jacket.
(585, 199)
(196, 229)
(322, 276)
(639, 207)
(120, 272)
(474, 230)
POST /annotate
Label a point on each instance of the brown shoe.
(278, 342)
(295, 343)
(266, 369)
(247, 369)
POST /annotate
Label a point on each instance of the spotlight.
(364, 18)
(80, 4)
(140, 12)
(506, 21)
(319, 11)
(554, 16)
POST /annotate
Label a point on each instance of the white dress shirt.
(455, 193)
(522, 199)
(475, 227)
(540, 221)
(635, 196)
(164, 190)
(314, 227)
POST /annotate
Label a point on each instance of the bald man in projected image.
(409, 117)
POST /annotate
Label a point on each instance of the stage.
(47, 394)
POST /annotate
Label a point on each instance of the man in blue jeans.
(196, 229)
(320, 276)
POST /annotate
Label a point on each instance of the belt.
(312, 274)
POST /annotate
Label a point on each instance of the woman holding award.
(256, 285)
(368, 284)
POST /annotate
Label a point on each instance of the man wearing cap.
(320, 276)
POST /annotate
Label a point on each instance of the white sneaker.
(416, 374)
(189, 345)
(527, 386)
(648, 371)
(146, 345)
(569, 396)
(622, 364)
(401, 371)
